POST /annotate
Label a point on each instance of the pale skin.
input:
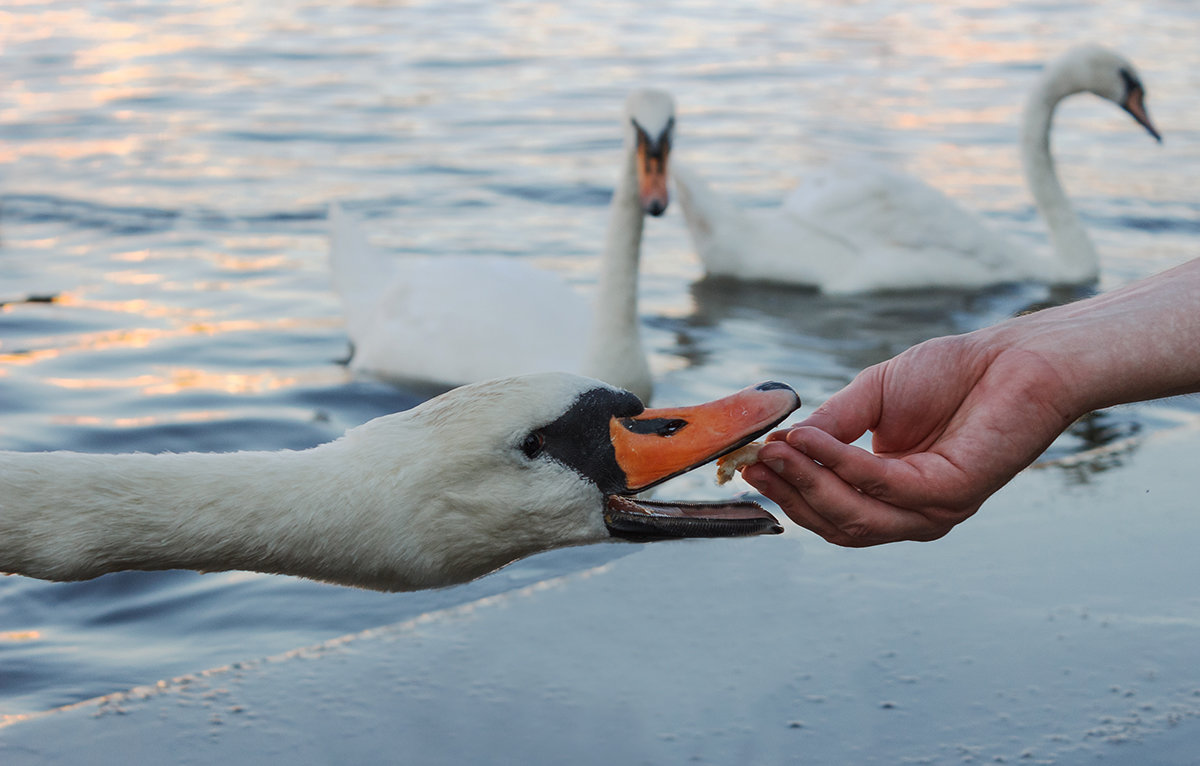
(955, 418)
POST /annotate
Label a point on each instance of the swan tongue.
(644, 520)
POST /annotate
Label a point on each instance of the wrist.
(1060, 353)
(1033, 365)
(1135, 343)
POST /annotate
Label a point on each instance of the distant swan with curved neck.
(856, 229)
(459, 319)
(443, 493)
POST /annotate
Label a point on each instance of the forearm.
(1138, 342)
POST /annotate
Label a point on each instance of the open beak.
(1135, 104)
(661, 443)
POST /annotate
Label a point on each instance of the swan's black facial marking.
(657, 147)
(1130, 81)
(579, 438)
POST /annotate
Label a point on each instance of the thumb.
(853, 411)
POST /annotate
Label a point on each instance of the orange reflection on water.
(947, 45)
(133, 277)
(231, 262)
(227, 261)
(228, 382)
(145, 421)
(139, 306)
(140, 337)
(74, 149)
(25, 358)
(98, 383)
(44, 243)
(20, 635)
(99, 341)
(180, 379)
(121, 42)
(934, 119)
(135, 256)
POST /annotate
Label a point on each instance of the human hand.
(953, 420)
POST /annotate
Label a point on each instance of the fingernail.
(774, 464)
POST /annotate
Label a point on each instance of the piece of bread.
(737, 460)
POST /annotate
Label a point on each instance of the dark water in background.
(165, 170)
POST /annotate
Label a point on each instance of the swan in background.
(860, 230)
(459, 319)
(443, 493)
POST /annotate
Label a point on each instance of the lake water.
(165, 170)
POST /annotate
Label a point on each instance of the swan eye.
(532, 446)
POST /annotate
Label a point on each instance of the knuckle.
(802, 481)
(873, 487)
(857, 534)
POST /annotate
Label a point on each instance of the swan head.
(1106, 73)
(502, 469)
(650, 121)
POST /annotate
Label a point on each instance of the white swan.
(458, 319)
(443, 493)
(859, 230)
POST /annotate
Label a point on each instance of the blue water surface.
(165, 170)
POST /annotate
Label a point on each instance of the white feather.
(428, 497)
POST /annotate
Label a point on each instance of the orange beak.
(652, 177)
(1135, 104)
(660, 443)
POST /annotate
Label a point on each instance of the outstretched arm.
(954, 419)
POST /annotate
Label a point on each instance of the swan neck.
(1075, 254)
(71, 516)
(615, 352)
